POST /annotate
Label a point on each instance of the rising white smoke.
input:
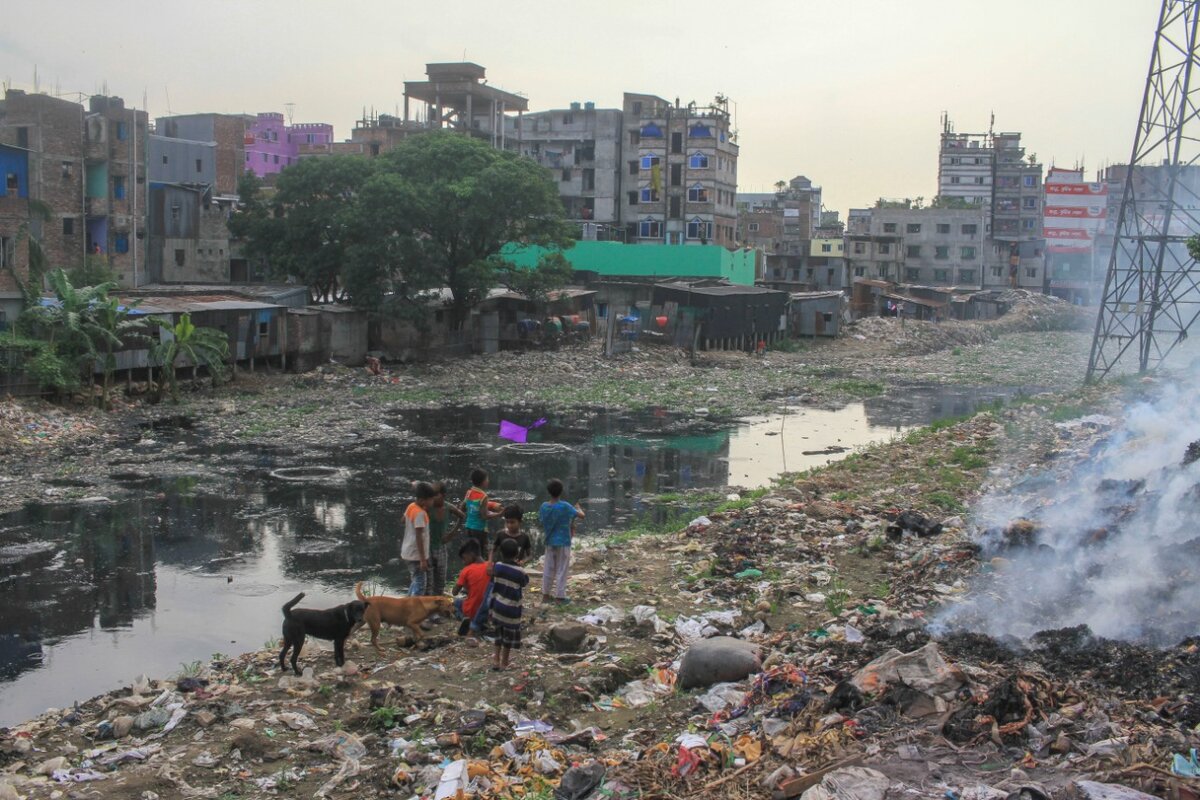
(1116, 539)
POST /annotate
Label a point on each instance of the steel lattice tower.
(1152, 289)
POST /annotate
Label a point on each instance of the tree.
(1193, 246)
(69, 323)
(439, 211)
(182, 340)
(303, 230)
(116, 325)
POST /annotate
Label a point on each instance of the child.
(507, 582)
(414, 547)
(558, 520)
(514, 515)
(477, 509)
(438, 556)
(473, 579)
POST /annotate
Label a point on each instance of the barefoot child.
(414, 547)
(508, 581)
(558, 520)
(478, 510)
(438, 557)
(473, 580)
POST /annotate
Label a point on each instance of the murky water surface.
(96, 593)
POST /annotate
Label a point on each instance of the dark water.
(174, 570)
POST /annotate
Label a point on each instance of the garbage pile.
(29, 424)
(777, 650)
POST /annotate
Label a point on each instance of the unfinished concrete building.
(580, 147)
(457, 97)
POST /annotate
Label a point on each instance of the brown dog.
(407, 611)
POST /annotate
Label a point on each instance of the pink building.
(272, 145)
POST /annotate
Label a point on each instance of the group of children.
(492, 580)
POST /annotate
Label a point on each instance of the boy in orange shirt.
(414, 547)
(474, 580)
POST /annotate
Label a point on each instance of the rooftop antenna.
(36, 82)
(167, 92)
(291, 108)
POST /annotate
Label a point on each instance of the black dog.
(331, 623)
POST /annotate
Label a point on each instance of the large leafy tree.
(69, 324)
(438, 212)
(302, 230)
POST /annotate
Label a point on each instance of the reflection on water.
(183, 568)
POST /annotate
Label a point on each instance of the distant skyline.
(847, 93)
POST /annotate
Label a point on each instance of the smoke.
(1109, 539)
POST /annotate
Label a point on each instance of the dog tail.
(358, 592)
(287, 607)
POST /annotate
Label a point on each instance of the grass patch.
(969, 456)
(669, 525)
(945, 501)
(858, 388)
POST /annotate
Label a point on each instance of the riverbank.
(822, 574)
(63, 453)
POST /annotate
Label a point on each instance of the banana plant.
(201, 347)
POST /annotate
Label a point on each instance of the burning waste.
(1107, 538)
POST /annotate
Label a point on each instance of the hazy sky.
(846, 92)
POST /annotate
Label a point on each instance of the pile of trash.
(29, 424)
(782, 649)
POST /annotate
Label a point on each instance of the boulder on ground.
(566, 637)
(721, 659)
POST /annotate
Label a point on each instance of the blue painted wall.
(14, 161)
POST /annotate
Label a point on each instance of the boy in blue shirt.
(558, 520)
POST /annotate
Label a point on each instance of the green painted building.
(619, 260)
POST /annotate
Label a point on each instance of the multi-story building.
(925, 247)
(800, 254)
(227, 135)
(85, 166)
(1016, 214)
(965, 162)
(680, 180)
(1073, 212)
(457, 97)
(271, 145)
(581, 148)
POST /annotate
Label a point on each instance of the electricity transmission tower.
(1152, 289)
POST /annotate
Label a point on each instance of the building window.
(264, 158)
(565, 175)
(943, 228)
(884, 249)
(859, 248)
(860, 272)
(699, 229)
(633, 198)
(970, 230)
(698, 161)
(633, 167)
(966, 276)
(7, 256)
(979, 179)
(199, 165)
(826, 248)
(276, 159)
(889, 227)
(967, 253)
(180, 258)
(68, 226)
(12, 184)
(954, 179)
(264, 328)
(1029, 181)
(955, 160)
(650, 229)
(997, 272)
(675, 210)
(1029, 202)
(121, 243)
(941, 275)
(650, 161)
(912, 227)
(941, 253)
(122, 131)
(118, 187)
(913, 251)
(636, 108)
(634, 137)
(649, 194)
(912, 275)
(1028, 224)
(1031, 272)
(66, 170)
(752, 227)
(697, 194)
(883, 271)
(23, 137)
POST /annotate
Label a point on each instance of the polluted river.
(198, 546)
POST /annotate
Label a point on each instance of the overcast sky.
(847, 92)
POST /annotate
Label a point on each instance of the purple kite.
(518, 433)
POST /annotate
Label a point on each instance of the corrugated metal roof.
(815, 295)
(192, 303)
(718, 291)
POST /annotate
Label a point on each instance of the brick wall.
(229, 131)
